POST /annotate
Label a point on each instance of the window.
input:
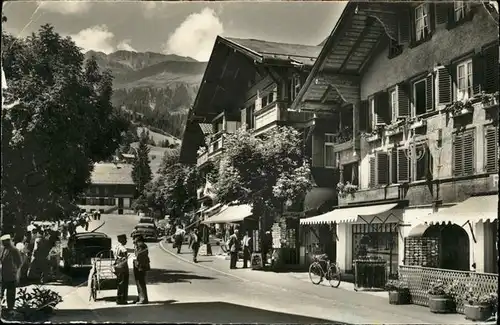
(393, 102)
(459, 9)
(330, 157)
(296, 86)
(491, 151)
(420, 97)
(350, 173)
(464, 80)
(380, 169)
(423, 163)
(268, 99)
(371, 109)
(250, 118)
(422, 20)
(400, 165)
(463, 153)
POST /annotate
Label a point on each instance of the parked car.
(147, 220)
(147, 230)
(82, 247)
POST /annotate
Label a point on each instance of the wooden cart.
(102, 276)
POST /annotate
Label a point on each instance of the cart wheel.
(93, 288)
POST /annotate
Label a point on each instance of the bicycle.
(332, 273)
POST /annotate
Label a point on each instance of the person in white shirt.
(121, 270)
(179, 238)
(247, 248)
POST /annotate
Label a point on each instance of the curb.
(161, 244)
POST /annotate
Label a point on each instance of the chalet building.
(112, 189)
(414, 90)
(252, 83)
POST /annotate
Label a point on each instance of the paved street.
(208, 292)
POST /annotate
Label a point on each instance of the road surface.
(208, 292)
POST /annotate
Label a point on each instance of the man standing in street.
(234, 247)
(141, 266)
(179, 238)
(195, 242)
(247, 248)
(121, 270)
(10, 262)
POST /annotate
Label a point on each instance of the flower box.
(441, 304)
(399, 298)
(478, 313)
(394, 131)
(343, 146)
(418, 124)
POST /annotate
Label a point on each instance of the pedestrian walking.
(121, 270)
(10, 262)
(179, 238)
(195, 243)
(141, 266)
(234, 247)
(98, 215)
(247, 248)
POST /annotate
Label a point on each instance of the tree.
(268, 172)
(62, 124)
(141, 171)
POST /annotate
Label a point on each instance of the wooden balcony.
(203, 158)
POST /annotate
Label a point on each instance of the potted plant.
(399, 292)
(459, 108)
(478, 307)
(441, 298)
(488, 99)
(346, 189)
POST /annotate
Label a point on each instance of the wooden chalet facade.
(252, 84)
(413, 88)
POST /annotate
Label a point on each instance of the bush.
(35, 304)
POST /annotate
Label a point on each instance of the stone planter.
(478, 313)
(399, 297)
(441, 304)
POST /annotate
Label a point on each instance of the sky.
(182, 28)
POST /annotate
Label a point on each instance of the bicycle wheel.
(334, 276)
(316, 273)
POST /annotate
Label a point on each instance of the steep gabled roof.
(109, 173)
(303, 54)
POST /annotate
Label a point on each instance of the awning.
(345, 215)
(213, 208)
(232, 213)
(474, 209)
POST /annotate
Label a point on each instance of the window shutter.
(404, 28)
(468, 148)
(477, 73)
(429, 93)
(364, 117)
(444, 86)
(452, 69)
(491, 151)
(394, 166)
(442, 13)
(403, 100)
(373, 171)
(382, 115)
(411, 16)
(432, 16)
(491, 83)
(458, 155)
(382, 168)
(451, 16)
(403, 166)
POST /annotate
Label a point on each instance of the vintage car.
(147, 231)
(82, 247)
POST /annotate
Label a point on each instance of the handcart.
(102, 276)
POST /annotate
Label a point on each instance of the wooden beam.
(324, 97)
(366, 30)
(370, 55)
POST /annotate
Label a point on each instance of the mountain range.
(153, 89)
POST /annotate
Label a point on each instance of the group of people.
(141, 265)
(236, 245)
(194, 241)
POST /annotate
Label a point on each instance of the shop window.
(330, 156)
(420, 97)
(380, 240)
(464, 80)
(463, 153)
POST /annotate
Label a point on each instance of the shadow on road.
(171, 312)
(155, 276)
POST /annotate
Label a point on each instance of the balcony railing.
(202, 158)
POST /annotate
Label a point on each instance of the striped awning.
(346, 215)
(232, 213)
(474, 209)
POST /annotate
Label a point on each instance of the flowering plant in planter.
(489, 99)
(399, 292)
(345, 189)
(459, 107)
(439, 288)
(479, 306)
(397, 285)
